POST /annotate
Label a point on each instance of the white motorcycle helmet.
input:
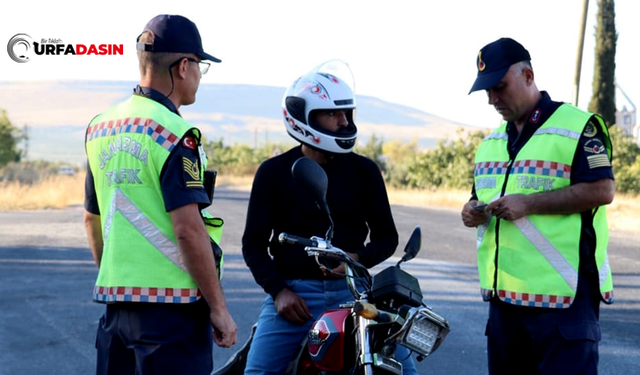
(329, 86)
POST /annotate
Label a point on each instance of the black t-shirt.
(358, 204)
(174, 176)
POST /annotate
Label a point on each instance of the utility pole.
(633, 106)
(25, 138)
(583, 25)
(255, 138)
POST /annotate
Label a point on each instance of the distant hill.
(57, 113)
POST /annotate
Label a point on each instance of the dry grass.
(63, 191)
(235, 182)
(53, 192)
(624, 213)
(447, 199)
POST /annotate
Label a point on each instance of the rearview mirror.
(314, 179)
(413, 245)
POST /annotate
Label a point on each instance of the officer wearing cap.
(545, 177)
(144, 195)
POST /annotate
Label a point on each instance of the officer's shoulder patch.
(191, 173)
(596, 154)
(189, 142)
(594, 146)
(590, 130)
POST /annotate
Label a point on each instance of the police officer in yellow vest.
(144, 191)
(545, 177)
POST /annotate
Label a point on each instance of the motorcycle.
(359, 337)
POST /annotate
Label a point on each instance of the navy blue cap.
(174, 34)
(495, 59)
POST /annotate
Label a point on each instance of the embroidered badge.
(596, 161)
(594, 146)
(191, 173)
(596, 154)
(535, 116)
(589, 130)
(481, 64)
(189, 143)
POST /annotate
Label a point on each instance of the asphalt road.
(48, 321)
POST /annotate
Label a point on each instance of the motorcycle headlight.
(423, 331)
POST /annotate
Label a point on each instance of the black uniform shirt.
(175, 172)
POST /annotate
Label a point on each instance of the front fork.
(364, 346)
(366, 357)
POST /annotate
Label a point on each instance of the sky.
(418, 53)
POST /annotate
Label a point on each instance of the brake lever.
(329, 270)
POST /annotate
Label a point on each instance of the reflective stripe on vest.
(539, 167)
(138, 125)
(559, 131)
(144, 294)
(120, 203)
(548, 251)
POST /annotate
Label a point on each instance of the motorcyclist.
(318, 110)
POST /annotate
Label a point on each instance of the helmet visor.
(337, 69)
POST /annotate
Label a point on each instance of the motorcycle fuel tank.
(327, 340)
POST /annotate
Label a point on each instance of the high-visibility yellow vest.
(127, 147)
(533, 261)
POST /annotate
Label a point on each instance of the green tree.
(236, 160)
(449, 165)
(603, 98)
(241, 159)
(373, 150)
(399, 156)
(9, 138)
(626, 161)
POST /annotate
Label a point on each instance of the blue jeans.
(276, 340)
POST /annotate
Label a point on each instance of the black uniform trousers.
(531, 340)
(155, 338)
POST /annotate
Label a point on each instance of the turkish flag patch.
(189, 142)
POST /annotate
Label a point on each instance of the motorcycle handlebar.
(320, 248)
(290, 239)
(335, 253)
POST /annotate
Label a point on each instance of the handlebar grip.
(369, 311)
(290, 239)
